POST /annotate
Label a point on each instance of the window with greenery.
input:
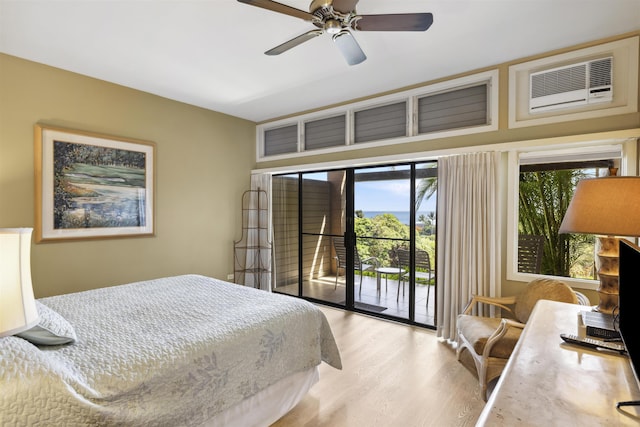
(545, 190)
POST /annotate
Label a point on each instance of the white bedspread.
(166, 352)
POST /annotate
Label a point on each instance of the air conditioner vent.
(600, 72)
(558, 81)
(571, 86)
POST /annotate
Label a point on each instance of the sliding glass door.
(322, 208)
(382, 226)
(395, 224)
(358, 238)
(309, 220)
(285, 201)
(423, 271)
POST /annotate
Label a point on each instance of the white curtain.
(256, 247)
(469, 234)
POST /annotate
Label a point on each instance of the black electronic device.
(599, 325)
(629, 306)
(593, 343)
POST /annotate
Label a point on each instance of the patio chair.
(368, 264)
(530, 249)
(422, 268)
(491, 340)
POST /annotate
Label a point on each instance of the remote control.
(589, 342)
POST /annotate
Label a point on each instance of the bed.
(185, 350)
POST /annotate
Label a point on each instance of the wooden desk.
(548, 382)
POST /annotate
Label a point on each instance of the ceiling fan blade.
(394, 22)
(280, 8)
(349, 47)
(344, 6)
(293, 42)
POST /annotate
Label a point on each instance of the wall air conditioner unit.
(572, 85)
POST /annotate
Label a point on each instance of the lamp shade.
(17, 305)
(608, 206)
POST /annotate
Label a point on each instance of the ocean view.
(402, 216)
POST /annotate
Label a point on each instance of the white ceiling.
(209, 53)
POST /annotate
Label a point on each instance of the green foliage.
(66, 153)
(428, 224)
(122, 176)
(377, 236)
(544, 199)
(425, 189)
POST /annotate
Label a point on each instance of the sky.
(388, 196)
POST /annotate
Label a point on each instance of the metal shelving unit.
(251, 254)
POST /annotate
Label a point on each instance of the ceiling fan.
(337, 17)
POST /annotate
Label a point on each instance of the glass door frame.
(350, 240)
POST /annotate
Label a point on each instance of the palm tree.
(425, 189)
(544, 199)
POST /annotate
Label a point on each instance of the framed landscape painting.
(92, 186)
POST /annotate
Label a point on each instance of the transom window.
(457, 107)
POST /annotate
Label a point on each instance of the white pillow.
(52, 329)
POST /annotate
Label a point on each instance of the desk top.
(548, 382)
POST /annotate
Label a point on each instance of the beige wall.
(203, 162)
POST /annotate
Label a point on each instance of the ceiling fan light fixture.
(332, 26)
(336, 17)
(349, 47)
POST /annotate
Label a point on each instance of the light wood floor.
(393, 375)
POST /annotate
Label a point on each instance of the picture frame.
(92, 186)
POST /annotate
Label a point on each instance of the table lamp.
(608, 207)
(18, 310)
